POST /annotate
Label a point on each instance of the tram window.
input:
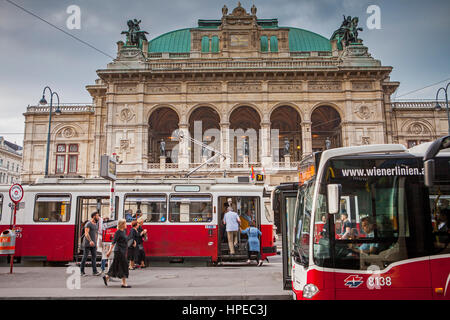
(190, 208)
(88, 205)
(152, 208)
(52, 209)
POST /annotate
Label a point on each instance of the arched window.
(264, 44)
(273, 44)
(215, 44)
(205, 44)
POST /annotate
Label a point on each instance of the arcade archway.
(163, 125)
(204, 126)
(245, 123)
(287, 121)
(325, 128)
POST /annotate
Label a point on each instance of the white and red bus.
(182, 216)
(366, 226)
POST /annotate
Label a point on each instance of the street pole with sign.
(16, 195)
(108, 171)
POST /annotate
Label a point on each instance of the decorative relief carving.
(417, 128)
(285, 87)
(364, 112)
(324, 86)
(204, 88)
(68, 132)
(159, 88)
(124, 145)
(126, 88)
(362, 86)
(126, 114)
(244, 87)
(365, 140)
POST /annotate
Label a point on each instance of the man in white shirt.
(232, 223)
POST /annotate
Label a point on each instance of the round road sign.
(16, 193)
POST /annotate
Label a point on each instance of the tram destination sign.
(108, 168)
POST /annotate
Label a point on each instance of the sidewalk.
(235, 281)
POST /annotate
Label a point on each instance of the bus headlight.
(309, 291)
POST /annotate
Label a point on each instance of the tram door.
(85, 207)
(284, 201)
(249, 210)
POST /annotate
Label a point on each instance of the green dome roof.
(304, 40)
(179, 41)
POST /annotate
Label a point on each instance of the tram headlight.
(309, 291)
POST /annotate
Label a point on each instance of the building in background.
(259, 95)
(10, 162)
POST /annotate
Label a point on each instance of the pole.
(112, 202)
(48, 134)
(11, 257)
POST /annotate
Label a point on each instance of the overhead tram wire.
(65, 32)
(416, 90)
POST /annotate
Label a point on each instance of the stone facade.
(10, 162)
(227, 88)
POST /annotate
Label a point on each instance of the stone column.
(306, 138)
(183, 151)
(266, 157)
(225, 145)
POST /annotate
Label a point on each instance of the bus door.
(284, 199)
(248, 209)
(85, 207)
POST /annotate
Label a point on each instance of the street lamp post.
(57, 111)
(438, 107)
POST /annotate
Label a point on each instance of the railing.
(426, 104)
(234, 166)
(64, 107)
(216, 65)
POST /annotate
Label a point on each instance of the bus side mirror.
(429, 172)
(334, 198)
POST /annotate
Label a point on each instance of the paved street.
(230, 281)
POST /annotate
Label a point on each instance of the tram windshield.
(386, 213)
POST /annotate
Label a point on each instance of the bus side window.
(441, 232)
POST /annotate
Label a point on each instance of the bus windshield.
(385, 214)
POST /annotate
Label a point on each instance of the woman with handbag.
(139, 250)
(119, 266)
(133, 239)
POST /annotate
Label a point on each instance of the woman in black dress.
(119, 266)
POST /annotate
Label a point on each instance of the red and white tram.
(366, 226)
(182, 217)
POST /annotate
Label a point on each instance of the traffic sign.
(16, 193)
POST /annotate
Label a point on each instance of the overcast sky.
(413, 39)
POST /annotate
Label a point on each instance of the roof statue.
(224, 10)
(134, 33)
(347, 32)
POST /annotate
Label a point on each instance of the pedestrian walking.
(90, 244)
(232, 223)
(104, 245)
(132, 244)
(139, 260)
(119, 266)
(253, 245)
